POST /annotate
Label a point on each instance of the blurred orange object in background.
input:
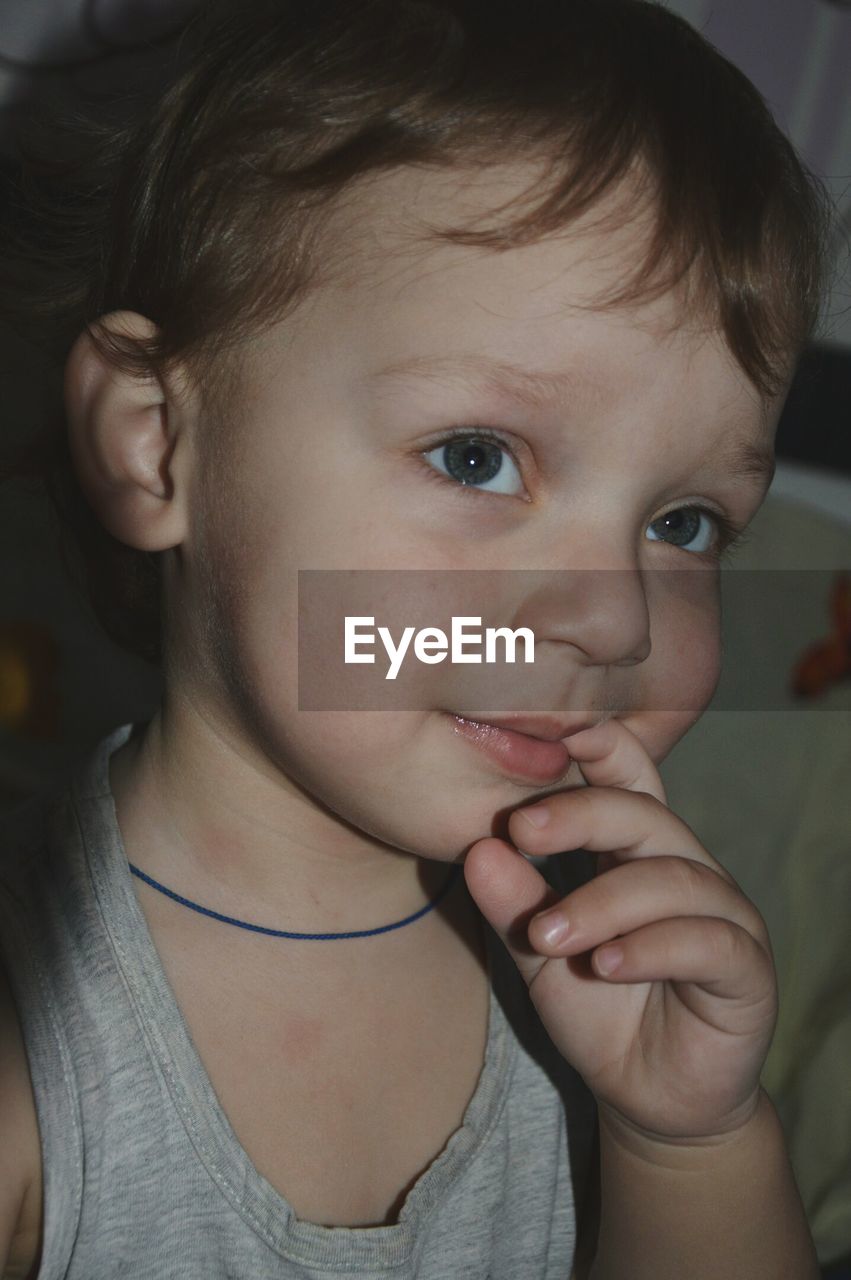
(30, 701)
(829, 660)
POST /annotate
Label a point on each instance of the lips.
(530, 757)
(545, 728)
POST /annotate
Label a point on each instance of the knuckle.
(753, 920)
(598, 897)
(654, 815)
(687, 878)
(582, 797)
(758, 929)
(650, 802)
(523, 832)
(728, 942)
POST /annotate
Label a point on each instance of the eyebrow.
(538, 390)
(742, 459)
(746, 461)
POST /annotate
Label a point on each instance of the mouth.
(544, 728)
(528, 748)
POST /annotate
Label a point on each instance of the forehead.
(394, 300)
(389, 234)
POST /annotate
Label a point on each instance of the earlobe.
(122, 439)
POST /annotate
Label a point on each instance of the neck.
(202, 814)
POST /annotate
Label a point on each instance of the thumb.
(508, 890)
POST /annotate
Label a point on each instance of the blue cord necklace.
(310, 937)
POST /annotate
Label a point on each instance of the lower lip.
(517, 754)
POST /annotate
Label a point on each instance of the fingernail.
(608, 959)
(538, 815)
(553, 929)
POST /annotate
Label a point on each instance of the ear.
(123, 440)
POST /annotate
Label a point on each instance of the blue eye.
(482, 460)
(683, 526)
(477, 460)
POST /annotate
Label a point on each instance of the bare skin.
(320, 820)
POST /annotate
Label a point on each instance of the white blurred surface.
(815, 488)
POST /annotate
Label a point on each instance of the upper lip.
(547, 728)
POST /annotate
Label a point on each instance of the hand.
(673, 1039)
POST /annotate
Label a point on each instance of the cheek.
(682, 675)
(396, 776)
(685, 661)
(696, 668)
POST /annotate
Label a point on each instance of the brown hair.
(277, 106)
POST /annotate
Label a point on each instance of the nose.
(602, 612)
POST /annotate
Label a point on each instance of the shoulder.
(20, 1145)
(23, 836)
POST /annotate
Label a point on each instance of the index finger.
(610, 755)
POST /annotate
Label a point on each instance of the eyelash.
(730, 536)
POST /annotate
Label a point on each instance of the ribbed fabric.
(143, 1175)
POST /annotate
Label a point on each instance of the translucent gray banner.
(480, 642)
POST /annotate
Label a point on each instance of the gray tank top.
(143, 1174)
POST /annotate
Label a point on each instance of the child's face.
(327, 471)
